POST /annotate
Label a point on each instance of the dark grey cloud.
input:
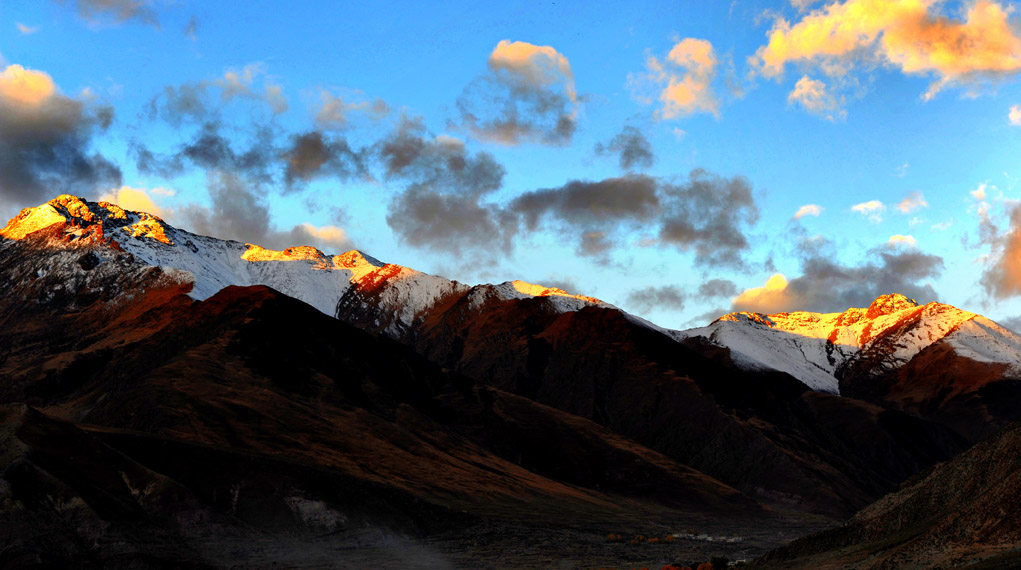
(199, 102)
(826, 285)
(632, 148)
(670, 297)
(212, 150)
(588, 204)
(313, 155)
(706, 213)
(120, 11)
(239, 211)
(442, 206)
(1002, 276)
(717, 288)
(410, 153)
(190, 30)
(46, 148)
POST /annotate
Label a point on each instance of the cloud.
(816, 98)
(239, 212)
(914, 201)
(210, 149)
(190, 30)
(331, 238)
(772, 297)
(120, 11)
(808, 210)
(653, 298)
(632, 147)
(1015, 115)
(333, 110)
(528, 95)
(45, 140)
(902, 240)
(908, 35)
(980, 192)
(136, 199)
(312, 155)
(716, 288)
(706, 213)
(683, 80)
(1002, 276)
(26, 30)
(443, 205)
(203, 101)
(873, 209)
(828, 286)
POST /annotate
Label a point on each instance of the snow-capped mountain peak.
(324, 281)
(818, 348)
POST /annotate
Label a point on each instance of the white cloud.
(815, 97)
(914, 201)
(1015, 115)
(808, 210)
(873, 209)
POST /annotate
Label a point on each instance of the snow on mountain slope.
(302, 272)
(818, 348)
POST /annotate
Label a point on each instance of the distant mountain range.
(443, 404)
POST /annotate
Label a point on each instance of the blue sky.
(650, 155)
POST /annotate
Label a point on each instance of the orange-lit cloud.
(45, 138)
(136, 199)
(528, 95)
(909, 35)
(914, 201)
(772, 297)
(816, 98)
(539, 66)
(980, 192)
(26, 30)
(808, 210)
(684, 80)
(1015, 115)
(25, 87)
(873, 209)
(330, 237)
(908, 241)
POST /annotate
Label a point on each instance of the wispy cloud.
(808, 210)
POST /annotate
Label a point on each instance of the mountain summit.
(824, 349)
(210, 264)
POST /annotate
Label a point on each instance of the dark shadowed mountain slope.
(760, 431)
(253, 410)
(965, 513)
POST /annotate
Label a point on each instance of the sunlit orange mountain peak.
(307, 273)
(872, 340)
(75, 219)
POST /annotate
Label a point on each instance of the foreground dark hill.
(252, 423)
(763, 432)
(965, 513)
(759, 430)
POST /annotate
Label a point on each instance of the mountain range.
(169, 397)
